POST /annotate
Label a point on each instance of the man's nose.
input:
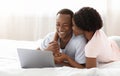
(61, 28)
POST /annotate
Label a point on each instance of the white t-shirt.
(74, 48)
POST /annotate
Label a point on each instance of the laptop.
(35, 58)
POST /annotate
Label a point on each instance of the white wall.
(113, 18)
(33, 19)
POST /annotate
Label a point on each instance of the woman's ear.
(56, 37)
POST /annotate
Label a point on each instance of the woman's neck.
(88, 35)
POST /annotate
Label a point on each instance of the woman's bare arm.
(56, 37)
(91, 62)
(66, 60)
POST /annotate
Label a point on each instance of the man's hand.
(53, 46)
(62, 58)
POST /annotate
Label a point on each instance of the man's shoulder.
(79, 37)
(51, 34)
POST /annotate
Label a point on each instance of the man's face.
(64, 25)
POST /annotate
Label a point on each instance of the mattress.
(10, 65)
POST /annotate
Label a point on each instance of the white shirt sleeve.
(48, 38)
(93, 47)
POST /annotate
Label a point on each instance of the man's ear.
(56, 37)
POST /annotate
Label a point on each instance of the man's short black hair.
(66, 11)
(88, 19)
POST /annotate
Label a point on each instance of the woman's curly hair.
(88, 19)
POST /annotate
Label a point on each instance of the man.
(71, 47)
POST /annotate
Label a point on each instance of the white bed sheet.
(9, 63)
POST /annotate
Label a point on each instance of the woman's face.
(76, 30)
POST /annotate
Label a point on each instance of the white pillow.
(116, 39)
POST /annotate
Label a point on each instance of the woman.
(99, 49)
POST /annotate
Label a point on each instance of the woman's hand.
(54, 46)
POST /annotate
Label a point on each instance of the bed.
(10, 65)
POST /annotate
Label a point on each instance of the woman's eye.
(57, 25)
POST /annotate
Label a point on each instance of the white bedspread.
(9, 63)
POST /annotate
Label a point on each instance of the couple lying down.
(79, 41)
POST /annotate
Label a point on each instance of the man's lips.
(61, 32)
